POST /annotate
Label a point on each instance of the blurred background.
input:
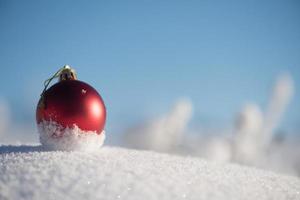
(214, 79)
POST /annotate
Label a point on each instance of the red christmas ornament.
(71, 102)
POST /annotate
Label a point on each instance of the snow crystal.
(54, 137)
(29, 172)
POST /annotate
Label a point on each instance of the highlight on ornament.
(70, 114)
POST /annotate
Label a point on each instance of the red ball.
(72, 102)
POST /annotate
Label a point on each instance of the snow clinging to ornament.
(70, 114)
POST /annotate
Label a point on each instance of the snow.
(30, 172)
(252, 139)
(54, 137)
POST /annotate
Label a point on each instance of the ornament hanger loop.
(64, 73)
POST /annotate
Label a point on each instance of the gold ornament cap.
(67, 73)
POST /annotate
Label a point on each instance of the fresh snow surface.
(54, 137)
(30, 172)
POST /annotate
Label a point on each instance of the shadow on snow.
(20, 149)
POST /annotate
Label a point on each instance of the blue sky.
(143, 55)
